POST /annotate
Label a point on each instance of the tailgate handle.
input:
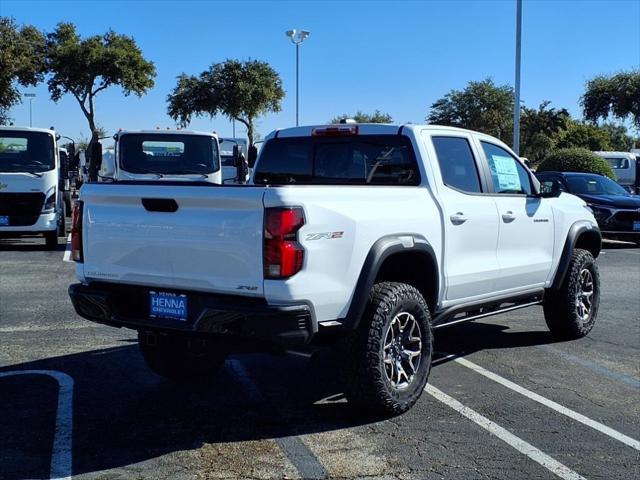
(168, 205)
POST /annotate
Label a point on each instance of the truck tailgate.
(212, 242)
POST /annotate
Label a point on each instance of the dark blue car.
(615, 209)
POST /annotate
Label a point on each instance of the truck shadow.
(124, 414)
(28, 245)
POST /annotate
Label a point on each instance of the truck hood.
(614, 201)
(24, 182)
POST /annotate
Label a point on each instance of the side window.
(457, 164)
(508, 174)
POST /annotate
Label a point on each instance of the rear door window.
(357, 160)
(457, 164)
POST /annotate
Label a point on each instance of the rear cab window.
(168, 154)
(618, 163)
(348, 160)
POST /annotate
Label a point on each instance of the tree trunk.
(95, 138)
(93, 167)
(249, 124)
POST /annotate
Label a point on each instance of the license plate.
(636, 226)
(168, 305)
(4, 221)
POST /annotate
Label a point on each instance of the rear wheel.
(181, 358)
(571, 311)
(388, 359)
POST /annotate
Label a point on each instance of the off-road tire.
(51, 240)
(561, 306)
(367, 385)
(182, 359)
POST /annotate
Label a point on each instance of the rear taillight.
(76, 232)
(283, 255)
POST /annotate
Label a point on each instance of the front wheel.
(181, 358)
(571, 311)
(387, 360)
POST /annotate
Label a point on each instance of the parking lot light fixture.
(297, 37)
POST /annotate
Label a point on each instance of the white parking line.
(520, 445)
(63, 436)
(631, 442)
(67, 251)
(300, 456)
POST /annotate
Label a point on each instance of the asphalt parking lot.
(504, 400)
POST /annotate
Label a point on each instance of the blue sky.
(396, 56)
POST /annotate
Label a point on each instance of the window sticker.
(506, 171)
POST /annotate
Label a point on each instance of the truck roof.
(366, 129)
(28, 129)
(168, 132)
(603, 153)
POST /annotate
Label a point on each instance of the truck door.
(525, 240)
(470, 220)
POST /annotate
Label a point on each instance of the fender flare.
(382, 249)
(575, 231)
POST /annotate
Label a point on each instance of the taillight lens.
(335, 131)
(76, 232)
(283, 255)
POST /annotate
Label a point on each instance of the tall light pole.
(516, 101)
(297, 37)
(30, 96)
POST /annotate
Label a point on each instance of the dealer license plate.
(168, 305)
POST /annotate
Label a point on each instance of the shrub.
(575, 160)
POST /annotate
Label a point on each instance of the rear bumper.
(240, 317)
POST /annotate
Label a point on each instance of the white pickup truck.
(32, 184)
(367, 237)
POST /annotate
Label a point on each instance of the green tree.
(576, 160)
(614, 95)
(538, 129)
(619, 138)
(481, 106)
(583, 135)
(361, 117)
(22, 61)
(85, 67)
(241, 91)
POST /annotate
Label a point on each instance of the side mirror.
(108, 167)
(252, 156)
(550, 189)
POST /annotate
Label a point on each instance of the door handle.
(508, 217)
(458, 218)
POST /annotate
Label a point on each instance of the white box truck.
(162, 155)
(32, 182)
